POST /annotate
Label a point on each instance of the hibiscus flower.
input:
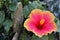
(40, 22)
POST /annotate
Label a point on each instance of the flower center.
(42, 21)
(41, 24)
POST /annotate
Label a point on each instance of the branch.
(18, 21)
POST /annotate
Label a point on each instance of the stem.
(18, 21)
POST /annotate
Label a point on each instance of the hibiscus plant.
(29, 19)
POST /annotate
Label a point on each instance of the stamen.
(42, 21)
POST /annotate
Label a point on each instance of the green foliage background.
(7, 11)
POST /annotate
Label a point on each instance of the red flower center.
(40, 27)
(41, 23)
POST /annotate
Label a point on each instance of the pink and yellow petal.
(38, 33)
(48, 16)
(29, 25)
(50, 27)
(34, 12)
(36, 15)
(54, 26)
(26, 24)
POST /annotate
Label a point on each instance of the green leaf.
(24, 36)
(34, 37)
(39, 5)
(2, 17)
(12, 15)
(44, 38)
(31, 6)
(26, 11)
(58, 26)
(35, 4)
(59, 34)
(7, 25)
(0, 5)
(25, 2)
(51, 37)
(13, 7)
(13, 1)
(56, 20)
